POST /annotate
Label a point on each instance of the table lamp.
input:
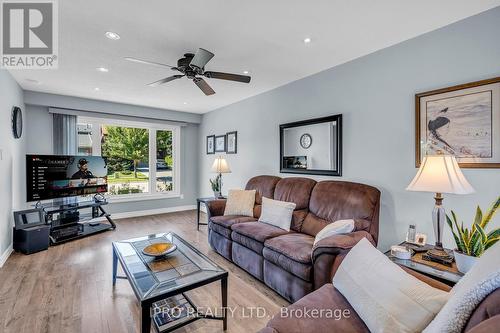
(439, 174)
(220, 166)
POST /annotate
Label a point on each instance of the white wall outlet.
(182, 196)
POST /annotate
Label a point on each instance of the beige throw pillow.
(336, 228)
(240, 202)
(386, 297)
(277, 213)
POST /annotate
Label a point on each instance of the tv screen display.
(60, 176)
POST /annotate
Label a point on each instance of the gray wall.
(12, 180)
(39, 141)
(375, 94)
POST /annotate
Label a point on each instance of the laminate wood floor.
(68, 288)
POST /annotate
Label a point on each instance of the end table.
(199, 201)
(442, 273)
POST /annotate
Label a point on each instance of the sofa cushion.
(292, 252)
(296, 190)
(325, 299)
(337, 200)
(257, 231)
(264, 186)
(222, 224)
(248, 242)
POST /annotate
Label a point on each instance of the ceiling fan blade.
(165, 80)
(201, 58)
(228, 76)
(140, 61)
(203, 85)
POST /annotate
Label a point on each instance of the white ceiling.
(262, 36)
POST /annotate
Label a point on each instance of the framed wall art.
(232, 142)
(463, 121)
(220, 143)
(211, 144)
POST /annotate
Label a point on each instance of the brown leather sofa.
(287, 261)
(484, 319)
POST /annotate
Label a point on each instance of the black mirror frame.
(338, 172)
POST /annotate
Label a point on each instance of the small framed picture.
(232, 142)
(211, 144)
(220, 143)
(420, 239)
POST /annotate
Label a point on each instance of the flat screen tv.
(61, 176)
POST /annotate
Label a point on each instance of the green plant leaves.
(475, 241)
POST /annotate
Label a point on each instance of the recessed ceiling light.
(307, 40)
(102, 69)
(245, 72)
(185, 103)
(112, 35)
(96, 89)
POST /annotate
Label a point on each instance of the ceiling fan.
(192, 66)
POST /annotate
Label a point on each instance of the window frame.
(152, 129)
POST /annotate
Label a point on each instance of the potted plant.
(215, 184)
(472, 242)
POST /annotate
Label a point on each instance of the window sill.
(142, 197)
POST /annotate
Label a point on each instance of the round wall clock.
(306, 141)
(17, 122)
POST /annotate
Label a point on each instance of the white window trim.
(152, 127)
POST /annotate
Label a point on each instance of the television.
(61, 176)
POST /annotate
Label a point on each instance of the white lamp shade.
(440, 174)
(220, 165)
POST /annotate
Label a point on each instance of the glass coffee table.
(160, 283)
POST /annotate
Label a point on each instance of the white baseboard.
(6, 255)
(157, 211)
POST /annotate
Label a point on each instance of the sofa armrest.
(216, 207)
(337, 244)
(329, 252)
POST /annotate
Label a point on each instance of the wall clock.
(305, 141)
(17, 122)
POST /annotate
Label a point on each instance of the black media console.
(58, 223)
(76, 220)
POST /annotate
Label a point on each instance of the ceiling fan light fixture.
(112, 35)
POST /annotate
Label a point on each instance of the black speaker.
(31, 239)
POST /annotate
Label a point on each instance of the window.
(141, 157)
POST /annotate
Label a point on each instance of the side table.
(199, 201)
(442, 273)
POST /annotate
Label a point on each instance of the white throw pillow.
(277, 213)
(386, 297)
(473, 287)
(240, 202)
(335, 228)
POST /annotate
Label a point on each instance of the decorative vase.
(217, 194)
(464, 262)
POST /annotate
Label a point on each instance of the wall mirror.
(312, 146)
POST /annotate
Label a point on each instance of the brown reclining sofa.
(484, 319)
(287, 261)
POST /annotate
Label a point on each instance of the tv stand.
(70, 221)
